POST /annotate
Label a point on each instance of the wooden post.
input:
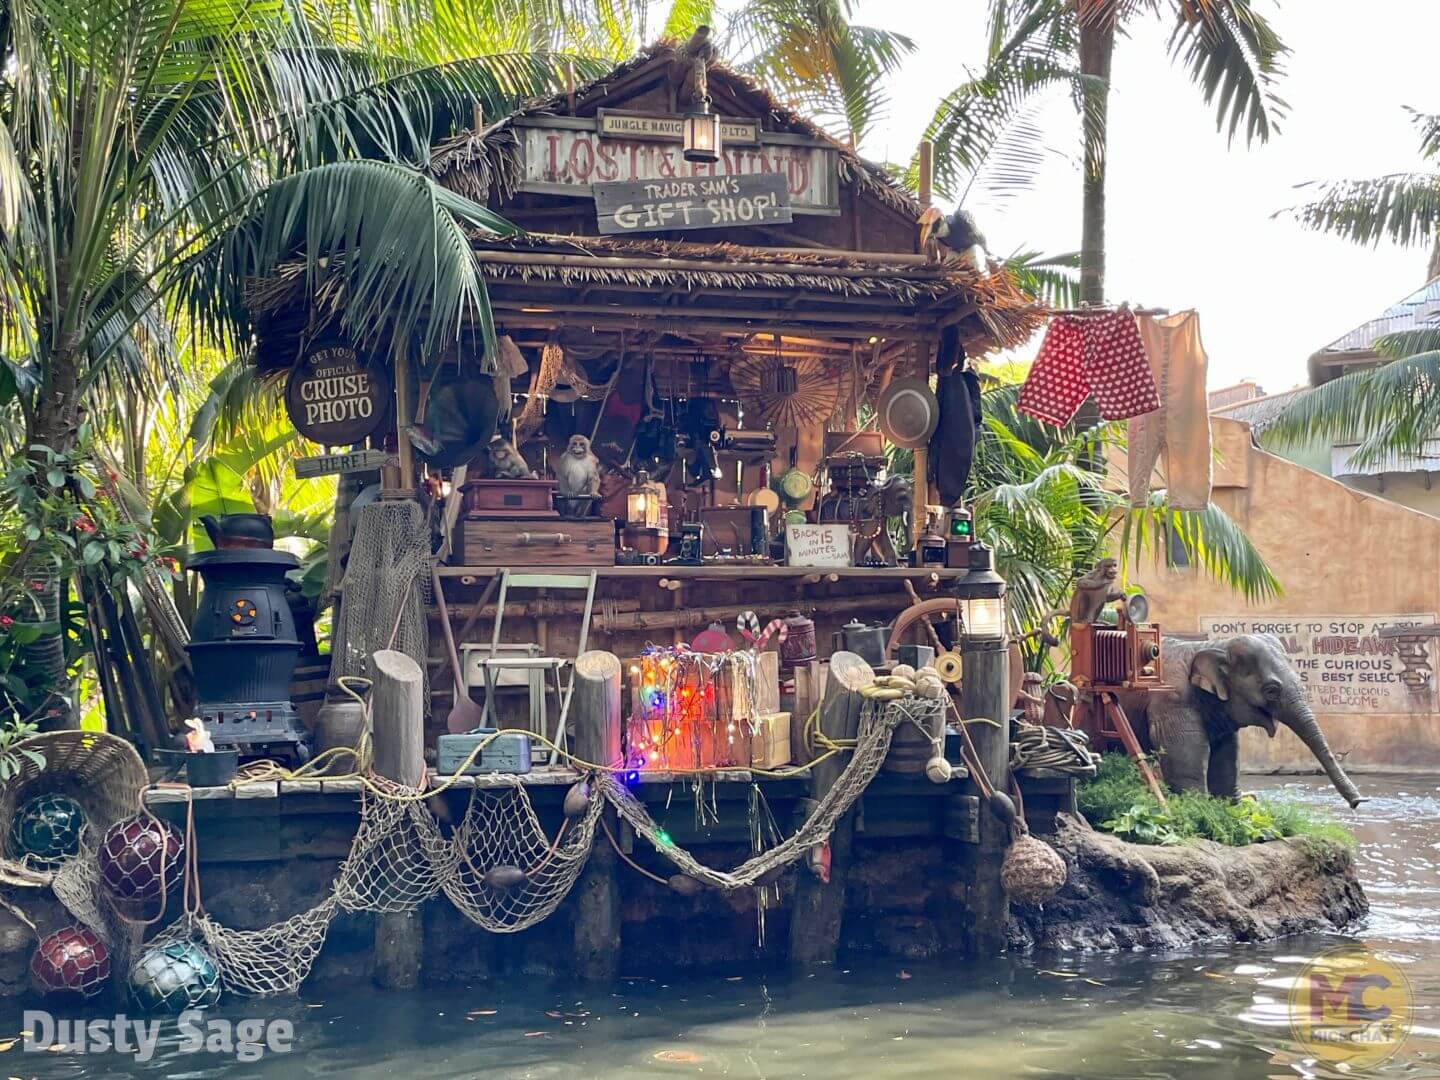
(595, 721)
(402, 422)
(983, 693)
(399, 723)
(920, 474)
(820, 906)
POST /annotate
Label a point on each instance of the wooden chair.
(556, 665)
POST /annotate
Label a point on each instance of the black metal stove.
(243, 648)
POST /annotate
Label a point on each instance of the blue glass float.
(47, 829)
(174, 977)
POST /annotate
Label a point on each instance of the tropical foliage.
(1393, 408)
(987, 132)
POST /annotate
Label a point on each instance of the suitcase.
(535, 542)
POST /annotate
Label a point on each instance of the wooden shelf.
(724, 573)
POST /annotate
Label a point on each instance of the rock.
(908, 937)
(1128, 896)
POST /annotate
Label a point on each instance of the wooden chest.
(510, 498)
(485, 541)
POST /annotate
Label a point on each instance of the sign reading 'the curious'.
(700, 202)
(1345, 663)
(334, 399)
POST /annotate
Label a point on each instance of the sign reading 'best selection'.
(700, 202)
(333, 398)
(1346, 665)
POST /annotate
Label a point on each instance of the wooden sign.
(817, 545)
(663, 127)
(702, 202)
(350, 461)
(334, 399)
(565, 156)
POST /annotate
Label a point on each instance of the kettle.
(867, 642)
(239, 530)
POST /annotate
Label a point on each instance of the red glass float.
(72, 960)
(140, 859)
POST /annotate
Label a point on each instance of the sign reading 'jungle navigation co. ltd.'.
(333, 398)
(701, 202)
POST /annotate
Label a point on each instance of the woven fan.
(788, 391)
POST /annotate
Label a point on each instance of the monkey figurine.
(1094, 591)
(506, 463)
(577, 477)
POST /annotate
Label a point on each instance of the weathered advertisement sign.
(1348, 667)
(702, 202)
(333, 398)
(631, 125)
(569, 160)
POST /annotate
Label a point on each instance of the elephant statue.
(1219, 687)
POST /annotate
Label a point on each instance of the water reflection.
(1218, 1015)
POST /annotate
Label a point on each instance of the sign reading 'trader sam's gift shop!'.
(698, 202)
(335, 399)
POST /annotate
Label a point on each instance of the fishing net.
(878, 721)
(501, 833)
(382, 595)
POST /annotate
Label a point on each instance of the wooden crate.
(484, 541)
(770, 744)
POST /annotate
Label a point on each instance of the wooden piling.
(595, 721)
(819, 906)
(983, 695)
(399, 734)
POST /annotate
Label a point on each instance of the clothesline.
(1105, 309)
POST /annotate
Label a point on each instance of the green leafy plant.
(1117, 800)
(12, 756)
(1143, 823)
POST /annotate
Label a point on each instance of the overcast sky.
(1190, 222)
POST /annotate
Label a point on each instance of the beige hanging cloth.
(1181, 426)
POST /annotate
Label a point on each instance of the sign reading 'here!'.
(334, 399)
(700, 202)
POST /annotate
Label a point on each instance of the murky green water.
(1215, 1015)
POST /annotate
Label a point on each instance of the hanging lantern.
(140, 859)
(175, 977)
(982, 597)
(646, 504)
(701, 134)
(47, 829)
(72, 960)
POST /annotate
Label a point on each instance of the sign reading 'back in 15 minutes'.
(334, 399)
(700, 202)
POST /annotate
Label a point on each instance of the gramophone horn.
(1137, 608)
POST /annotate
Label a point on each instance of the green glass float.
(47, 829)
(174, 977)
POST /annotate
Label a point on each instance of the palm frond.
(1053, 279)
(1211, 540)
(1234, 56)
(1402, 207)
(685, 15)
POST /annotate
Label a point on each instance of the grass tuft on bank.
(1117, 801)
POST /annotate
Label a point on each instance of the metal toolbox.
(522, 541)
(508, 753)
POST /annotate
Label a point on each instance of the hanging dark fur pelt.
(952, 447)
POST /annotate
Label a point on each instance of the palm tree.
(157, 154)
(1038, 46)
(1393, 408)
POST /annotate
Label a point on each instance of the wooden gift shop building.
(713, 328)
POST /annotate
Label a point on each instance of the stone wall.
(1337, 552)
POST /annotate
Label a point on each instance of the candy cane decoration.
(776, 627)
(748, 623)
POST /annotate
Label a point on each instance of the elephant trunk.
(1300, 719)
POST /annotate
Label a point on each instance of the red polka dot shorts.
(1090, 354)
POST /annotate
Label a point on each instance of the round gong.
(336, 399)
(908, 413)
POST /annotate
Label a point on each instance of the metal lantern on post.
(982, 598)
(700, 131)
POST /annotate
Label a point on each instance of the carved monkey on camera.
(1093, 591)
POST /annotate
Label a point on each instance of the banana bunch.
(905, 681)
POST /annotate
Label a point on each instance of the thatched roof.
(689, 288)
(477, 164)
